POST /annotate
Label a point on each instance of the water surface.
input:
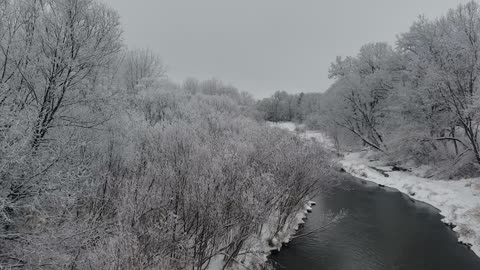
(383, 230)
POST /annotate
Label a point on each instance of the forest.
(417, 100)
(105, 163)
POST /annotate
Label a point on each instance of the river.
(382, 230)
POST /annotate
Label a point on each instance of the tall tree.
(364, 82)
(444, 58)
(66, 44)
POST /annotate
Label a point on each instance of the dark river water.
(383, 230)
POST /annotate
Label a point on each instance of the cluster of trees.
(284, 107)
(419, 99)
(106, 164)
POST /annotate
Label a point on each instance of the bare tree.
(67, 43)
(142, 66)
(364, 83)
(444, 54)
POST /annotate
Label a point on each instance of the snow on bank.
(306, 134)
(292, 127)
(458, 201)
(257, 248)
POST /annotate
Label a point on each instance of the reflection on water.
(384, 230)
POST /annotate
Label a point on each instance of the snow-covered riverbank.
(257, 248)
(306, 134)
(457, 200)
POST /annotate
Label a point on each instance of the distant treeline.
(419, 100)
(286, 107)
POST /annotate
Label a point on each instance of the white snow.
(457, 200)
(306, 134)
(284, 125)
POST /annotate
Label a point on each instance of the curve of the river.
(383, 230)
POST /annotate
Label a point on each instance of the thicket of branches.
(418, 100)
(105, 164)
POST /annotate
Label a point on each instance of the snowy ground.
(284, 125)
(458, 201)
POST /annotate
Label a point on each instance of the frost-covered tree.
(443, 57)
(364, 82)
(52, 56)
(142, 67)
(280, 107)
(54, 93)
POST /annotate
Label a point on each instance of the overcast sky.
(261, 46)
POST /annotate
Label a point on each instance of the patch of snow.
(319, 137)
(216, 262)
(313, 135)
(284, 125)
(458, 201)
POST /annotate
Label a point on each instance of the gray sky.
(261, 46)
